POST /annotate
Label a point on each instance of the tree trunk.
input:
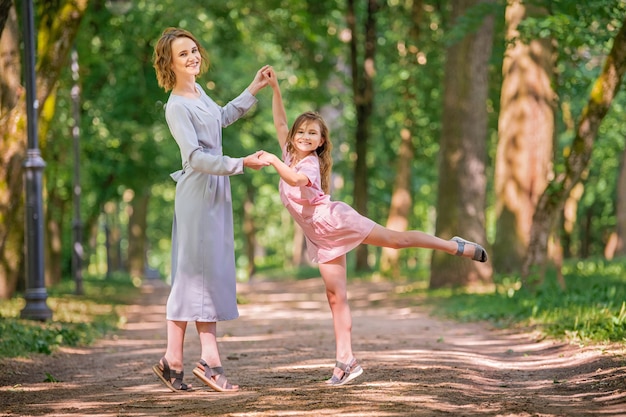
(525, 139)
(577, 159)
(10, 87)
(12, 152)
(115, 260)
(299, 256)
(620, 208)
(55, 32)
(462, 154)
(363, 90)
(137, 227)
(56, 215)
(401, 200)
(5, 9)
(401, 203)
(249, 230)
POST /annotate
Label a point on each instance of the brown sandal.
(165, 374)
(205, 373)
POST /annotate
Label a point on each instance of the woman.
(203, 261)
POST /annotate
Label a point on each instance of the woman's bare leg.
(208, 339)
(335, 279)
(173, 357)
(175, 341)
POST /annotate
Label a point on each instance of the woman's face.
(186, 58)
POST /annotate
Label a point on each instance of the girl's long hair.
(162, 58)
(323, 151)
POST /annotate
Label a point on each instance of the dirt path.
(281, 349)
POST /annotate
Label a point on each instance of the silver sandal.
(480, 254)
(350, 371)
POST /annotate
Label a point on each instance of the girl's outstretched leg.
(335, 279)
(381, 236)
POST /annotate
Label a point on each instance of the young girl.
(334, 228)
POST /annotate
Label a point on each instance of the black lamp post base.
(36, 307)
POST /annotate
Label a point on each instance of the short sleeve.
(310, 166)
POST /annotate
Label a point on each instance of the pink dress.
(332, 228)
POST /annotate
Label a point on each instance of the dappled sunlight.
(309, 366)
(269, 312)
(280, 351)
(454, 357)
(149, 324)
(253, 338)
(313, 413)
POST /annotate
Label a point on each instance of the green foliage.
(592, 308)
(20, 337)
(127, 149)
(77, 320)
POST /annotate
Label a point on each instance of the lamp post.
(77, 226)
(35, 295)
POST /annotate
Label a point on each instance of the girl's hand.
(254, 161)
(270, 75)
(259, 82)
(267, 157)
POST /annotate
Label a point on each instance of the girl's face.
(186, 58)
(308, 137)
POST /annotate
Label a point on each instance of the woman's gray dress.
(203, 253)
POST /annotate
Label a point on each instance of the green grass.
(76, 320)
(591, 309)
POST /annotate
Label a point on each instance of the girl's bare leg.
(335, 279)
(381, 236)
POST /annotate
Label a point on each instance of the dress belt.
(213, 151)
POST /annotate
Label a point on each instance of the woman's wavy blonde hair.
(162, 59)
(323, 151)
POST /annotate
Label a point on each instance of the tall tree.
(12, 152)
(577, 156)
(57, 27)
(525, 137)
(401, 200)
(5, 8)
(363, 71)
(462, 157)
(620, 208)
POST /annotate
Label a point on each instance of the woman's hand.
(259, 82)
(268, 157)
(270, 75)
(255, 161)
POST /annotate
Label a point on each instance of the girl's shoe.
(480, 254)
(350, 371)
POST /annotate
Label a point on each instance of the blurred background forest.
(500, 121)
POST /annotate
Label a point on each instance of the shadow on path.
(281, 350)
